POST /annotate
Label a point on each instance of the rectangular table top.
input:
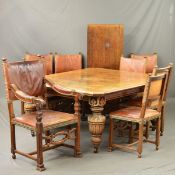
(96, 81)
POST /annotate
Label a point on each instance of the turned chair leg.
(77, 151)
(111, 134)
(40, 165)
(157, 133)
(39, 130)
(13, 141)
(147, 130)
(140, 142)
(162, 121)
(131, 133)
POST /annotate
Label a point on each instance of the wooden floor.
(61, 161)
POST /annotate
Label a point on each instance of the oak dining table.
(97, 85)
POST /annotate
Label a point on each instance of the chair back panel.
(48, 60)
(132, 65)
(155, 88)
(151, 61)
(154, 91)
(28, 76)
(64, 63)
(167, 69)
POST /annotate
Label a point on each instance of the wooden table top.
(96, 81)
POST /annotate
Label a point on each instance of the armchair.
(25, 80)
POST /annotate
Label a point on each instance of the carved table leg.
(96, 120)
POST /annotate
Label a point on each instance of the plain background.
(44, 26)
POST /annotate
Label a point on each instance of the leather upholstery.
(138, 102)
(132, 65)
(28, 76)
(151, 61)
(64, 63)
(133, 112)
(48, 60)
(50, 119)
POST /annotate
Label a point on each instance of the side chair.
(47, 59)
(138, 101)
(154, 91)
(151, 60)
(132, 65)
(69, 62)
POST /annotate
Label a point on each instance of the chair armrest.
(27, 98)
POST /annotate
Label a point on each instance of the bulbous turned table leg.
(96, 120)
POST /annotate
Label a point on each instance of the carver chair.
(132, 65)
(24, 81)
(154, 91)
(151, 60)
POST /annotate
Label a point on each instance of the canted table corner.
(98, 85)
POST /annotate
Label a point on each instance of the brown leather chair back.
(28, 76)
(64, 63)
(132, 65)
(151, 61)
(154, 91)
(48, 60)
(168, 70)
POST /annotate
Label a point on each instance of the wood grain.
(104, 45)
(96, 81)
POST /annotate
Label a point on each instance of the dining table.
(98, 85)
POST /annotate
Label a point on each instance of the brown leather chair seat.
(50, 119)
(133, 112)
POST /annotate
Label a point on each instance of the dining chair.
(24, 81)
(47, 58)
(151, 60)
(64, 63)
(138, 101)
(132, 65)
(154, 91)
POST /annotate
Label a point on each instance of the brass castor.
(109, 149)
(41, 168)
(95, 149)
(78, 154)
(139, 156)
(13, 156)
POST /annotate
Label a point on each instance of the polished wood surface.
(104, 45)
(96, 81)
(97, 85)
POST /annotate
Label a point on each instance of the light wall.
(44, 26)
